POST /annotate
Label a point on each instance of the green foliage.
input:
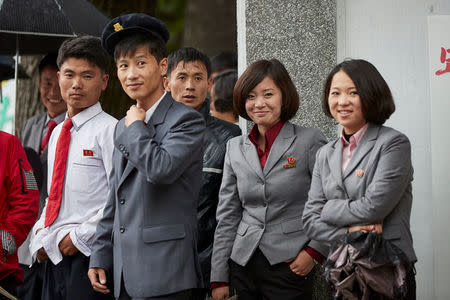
(172, 12)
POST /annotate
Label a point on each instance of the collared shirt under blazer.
(263, 207)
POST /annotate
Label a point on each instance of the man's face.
(81, 84)
(50, 92)
(141, 75)
(189, 83)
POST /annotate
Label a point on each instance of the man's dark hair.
(187, 55)
(84, 47)
(256, 73)
(223, 61)
(223, 86)
(48, 61)
(129, 45)
(376, 98)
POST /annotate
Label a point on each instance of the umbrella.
(38, 27)
(7, 66)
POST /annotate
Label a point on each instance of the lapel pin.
(290, 164)
(359, 173)
(87, 152)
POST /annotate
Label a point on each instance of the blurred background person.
(221, 105)
(223, 61)
(362, 180)
(260, 248)
(19, 204)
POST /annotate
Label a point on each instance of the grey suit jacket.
(148, 231)
(263, 207)
(375, 187)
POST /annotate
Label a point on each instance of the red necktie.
(51, 125)
(59, 169)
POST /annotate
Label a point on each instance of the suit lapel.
(281, 144)
(251, 156)
(158, 117)
(365, 146)
(335, 162)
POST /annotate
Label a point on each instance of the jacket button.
(122, 201)
(122, 229)
(121, 147)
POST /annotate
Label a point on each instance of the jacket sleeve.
(102, 246)
(229, 215)
(164, 162)
(392, 176)
(22, 194)
(315, 227)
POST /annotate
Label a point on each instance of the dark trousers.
(9, 284)
(68, 280)
(183, 295)
(258, 280)
(411, 284)
(31, 288)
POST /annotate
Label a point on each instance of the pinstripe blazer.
(375, 187)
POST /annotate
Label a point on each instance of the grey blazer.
(32, 132)
(148, 231)
(263, 207)
(375, 187)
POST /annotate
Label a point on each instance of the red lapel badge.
(359, 173)
(290, 164)
(88, 152)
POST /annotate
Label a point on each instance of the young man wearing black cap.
(148, 234)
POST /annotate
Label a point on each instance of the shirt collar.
(85, 115)
(271, 134)
(151, 110)
(355, 138)
(58, 119)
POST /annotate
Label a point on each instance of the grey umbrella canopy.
(40, 26)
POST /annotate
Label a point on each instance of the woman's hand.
(375, 228)
(302, 264)
(222, 292)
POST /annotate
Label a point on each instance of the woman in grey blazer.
(260, 248)
(362, 180)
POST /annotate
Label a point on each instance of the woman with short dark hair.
(362, 180)
(260, 248)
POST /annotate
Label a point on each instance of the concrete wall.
(302, 35)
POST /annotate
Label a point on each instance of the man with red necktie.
(35, 135)
(79, 163)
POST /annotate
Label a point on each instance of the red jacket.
(19, 200)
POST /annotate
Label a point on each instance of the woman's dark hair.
(376, 97)
(256, 73)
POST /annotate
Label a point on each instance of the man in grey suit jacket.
(35, 135)
(148, 233)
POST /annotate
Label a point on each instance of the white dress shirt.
(151, 110)
(86, 183)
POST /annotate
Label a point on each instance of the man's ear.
(210, 84)
(163, 66)
(166, 83)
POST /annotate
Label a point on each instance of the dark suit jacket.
(148, 231)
